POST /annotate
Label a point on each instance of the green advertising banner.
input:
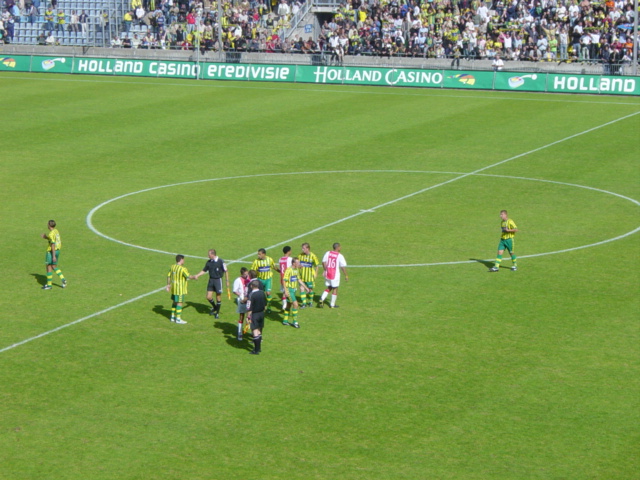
(400, 77)
(593, 84)
(15, 63)
(259, 73)
(534, 82)
(136, 68)
(469, 80)
(55, 64)
(369, 76)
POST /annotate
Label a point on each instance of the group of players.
(253, 288)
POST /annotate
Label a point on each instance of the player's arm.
(303, 286)
(186, 275)
(344, 270)
(285, 278)
(53, 252)
(343, 267)
(511, 228)
(169, 281)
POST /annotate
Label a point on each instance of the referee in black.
(256, 305)
(216, 268)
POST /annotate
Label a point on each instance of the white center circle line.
(459, 175)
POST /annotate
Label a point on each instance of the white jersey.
(333, 261)
(239, 288)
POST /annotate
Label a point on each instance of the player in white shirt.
(333, 262)
(284, 263)
(240, 285)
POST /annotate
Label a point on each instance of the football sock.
(49, 278)
(294, 314)
(213, 303)
(59, 272)
(498, 261)
(333, 300)
(257, 341)
(217, 307)
(239, 327)
(286, 316)
(303, 298)
(178, 311)
(514, 260)
(173, 311)
(269, 298)
(324, 295)
(284, 303)
(310, 297)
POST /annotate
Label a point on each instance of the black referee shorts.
(215, 285)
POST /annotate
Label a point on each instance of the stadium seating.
(27, 33)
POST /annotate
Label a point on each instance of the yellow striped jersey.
(308, 265)
(179, 276)
(510, 224)
(291, 277)
(263, 267)
(53, 237)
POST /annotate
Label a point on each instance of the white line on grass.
(460, 176)
(131, 300)
(391, 202)
(334, 88)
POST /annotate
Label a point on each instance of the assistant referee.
(216, 268)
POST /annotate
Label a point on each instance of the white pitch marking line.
(131, 300)
(93, 315)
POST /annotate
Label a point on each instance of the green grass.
(436, 371)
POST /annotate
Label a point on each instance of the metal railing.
(297, 18)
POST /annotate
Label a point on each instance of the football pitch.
(432, 367)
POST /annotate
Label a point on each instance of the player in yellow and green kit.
(177, 285)
(54, 245)
(265, 267)
(309, 265)
(291, 281)
(509, 230)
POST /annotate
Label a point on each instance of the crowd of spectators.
(534, 30)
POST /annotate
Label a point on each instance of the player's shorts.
(257, 320)
(506, 244)
(242, 307)
(292, 294)
(267, 284)
(215, 285)
(335, 283)
(48, 259)
(309, 285)
(177, 298)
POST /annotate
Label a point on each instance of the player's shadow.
(41, 279)
(166, 311)
(162, 310)
(198, 307)
(486, 263)
(230, 332)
